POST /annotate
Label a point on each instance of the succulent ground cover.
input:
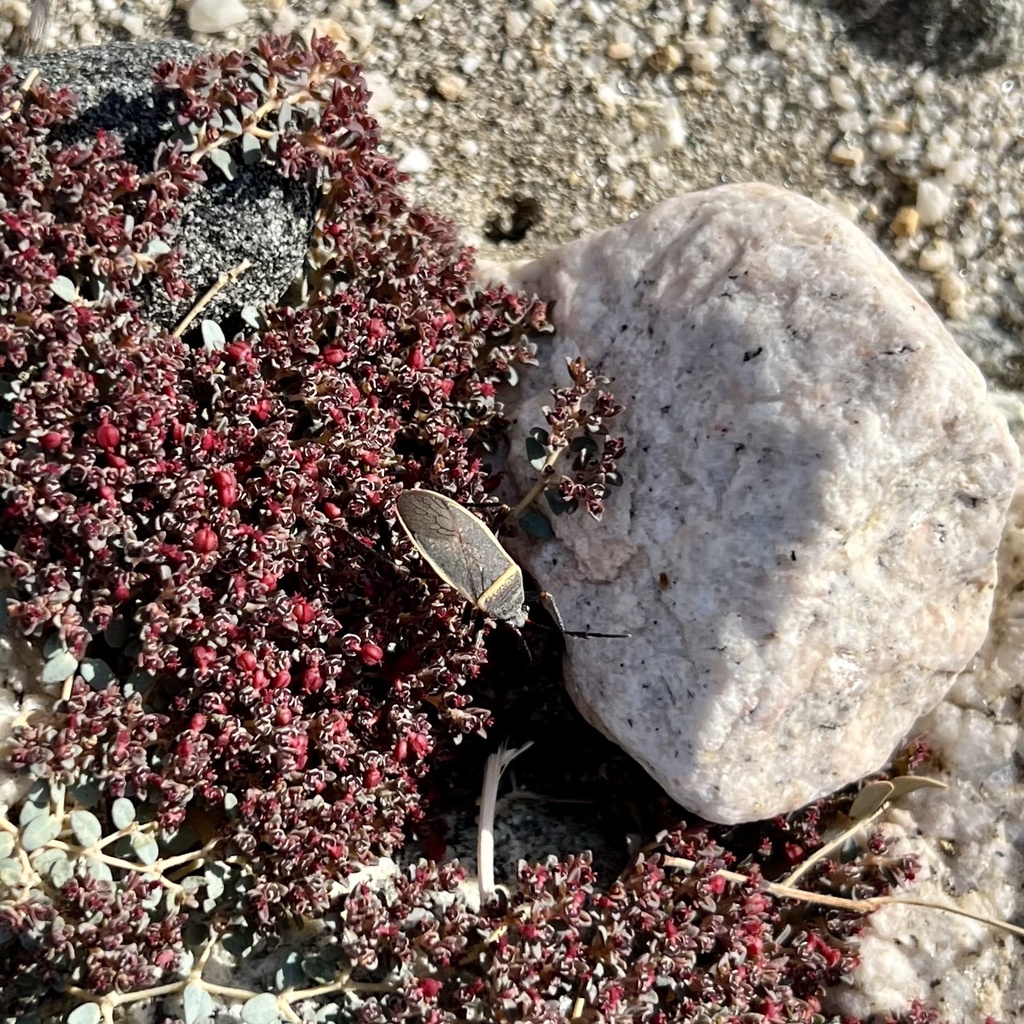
(258, 688)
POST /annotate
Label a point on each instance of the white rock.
(415, 161)
(968, 840)
(213, 16)
(815, 488)
(934, 199)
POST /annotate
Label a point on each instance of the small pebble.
(449, 87)
(906, 223)
(933, 202)
(211, 17)
(415, 161)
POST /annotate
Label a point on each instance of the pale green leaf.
(261, 1009)
(86, 827)
(122, 812)
(39, 831)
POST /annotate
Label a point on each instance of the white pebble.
(213, 16)
(935, 257)
(516, 24)
(673, 126)
(382, 96)
(716, 20)
(415, 161)
(925, 85)
(933, 201)
(842, 95)
(133, 25)
(960, 172)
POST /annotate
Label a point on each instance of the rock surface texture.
(815, 487)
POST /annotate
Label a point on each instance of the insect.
(464, 553)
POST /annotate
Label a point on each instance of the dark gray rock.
(260, 215)
(953, 35)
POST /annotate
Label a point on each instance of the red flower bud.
(333, 356)
(246, 661)
(331, 510)
(50, 440)
(416, 360)
(261, 410)
(239, 351)
(303, 611)
(430, 987)
(204, 657)
(283, 716)
(204, 540)
(371, 778)
(198, 723)
(107, 435)
(370, 654)
(282, 679)
(227, 487)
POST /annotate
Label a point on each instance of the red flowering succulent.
(198, 529)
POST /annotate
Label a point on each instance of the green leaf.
(197, 1004)
(98, 869)
(64, 288)
(535, 525)
(586, 448)
(140, 681)
(53, 863)
(53, 645)
(85, 1013)
(86, 827)
(116, 634)
(318, 970)
(290, 973)
(61, 871)
(37, 802)
(250, 315)
(251, 150)
(145, 847)
(59, 667)
(6, 844)
(870, 798)
(39, 831)
(10, 872)
(96, 673)
(221, 159)
(156, 247)
(904, 784)
(536, 453)
(261, 1009)
(213, 336)
(122, 812)
(558, 504)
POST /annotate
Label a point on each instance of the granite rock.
(815, 486)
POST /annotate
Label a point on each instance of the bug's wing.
(432, 523)
(463, 552)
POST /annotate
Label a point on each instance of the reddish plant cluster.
(202, 531)
(212, 522)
